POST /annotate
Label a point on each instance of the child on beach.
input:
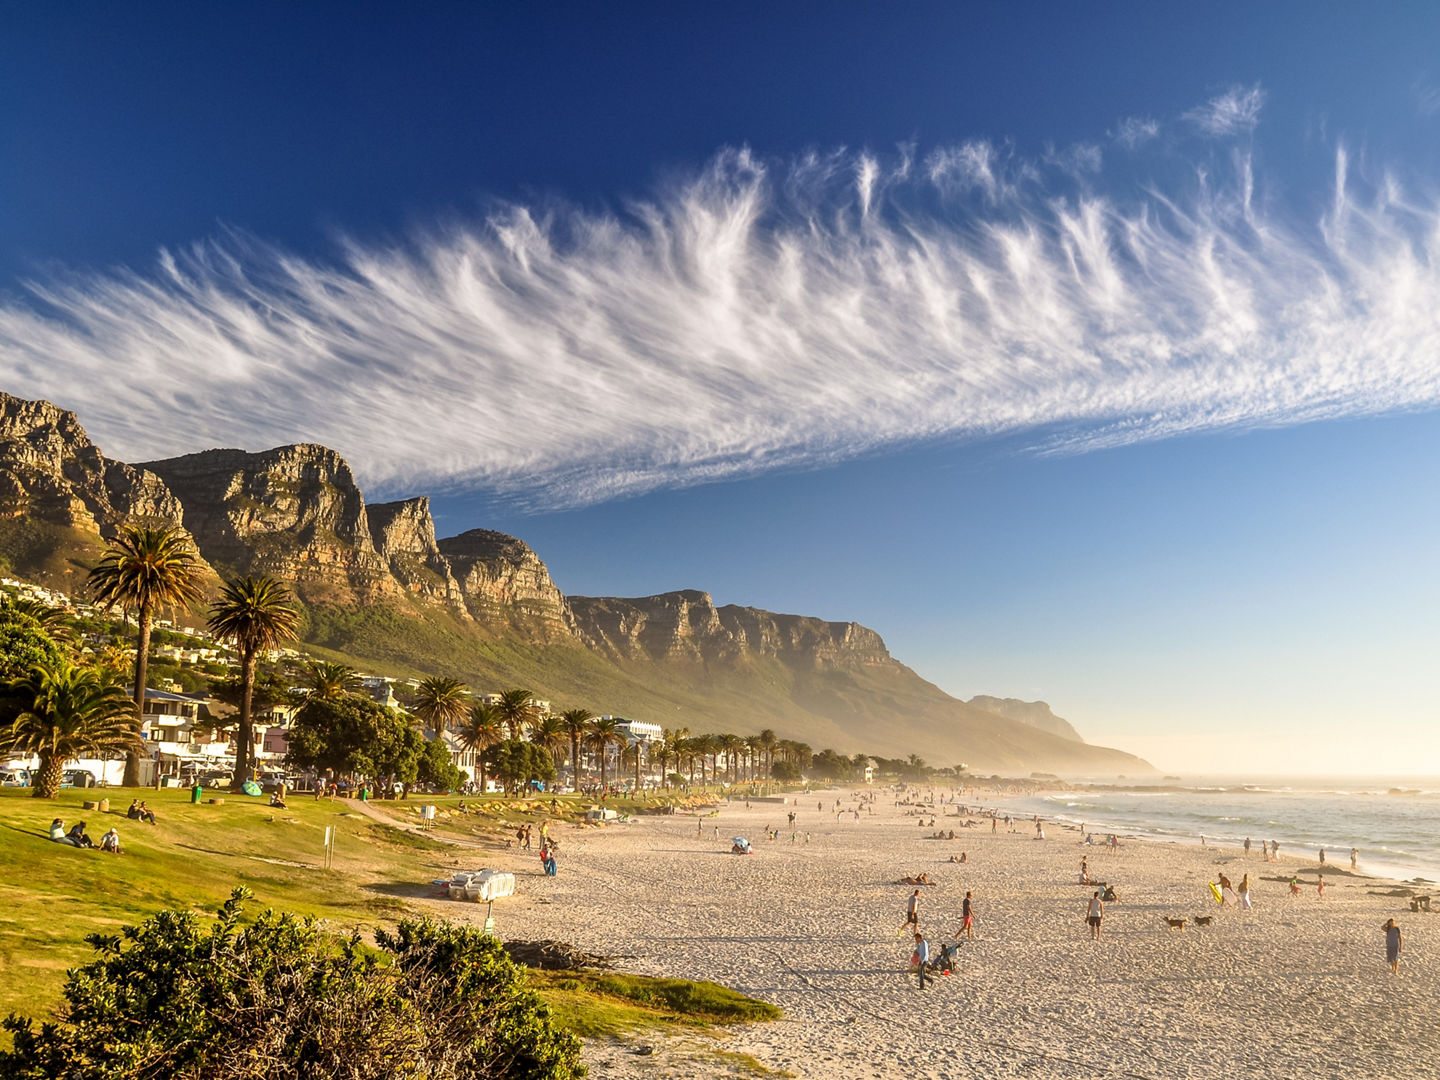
(967, 918)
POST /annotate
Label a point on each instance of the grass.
(596, 1004)
(52, 896)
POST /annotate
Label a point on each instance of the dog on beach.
(1174, 924)
(1204, 920)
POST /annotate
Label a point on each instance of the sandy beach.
(1295, 987)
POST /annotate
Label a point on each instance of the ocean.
(1394, 821)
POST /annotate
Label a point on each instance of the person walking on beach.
(1322, 856)
(1247, 846)
(1320, 885)
(912, 913)
(967, 917)
(1354, 854)
(922, 957)
(1094, 913)
(1393, 945)
(1245, 893)
(1225, 887)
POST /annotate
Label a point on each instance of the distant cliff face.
(686, 625)
(51, 472)
(1035, 713)
(504, 584)
(404, 536)
(482, 605)
(294, 512)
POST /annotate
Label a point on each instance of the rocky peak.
(1035, 713)
(503, 583)
(51, 472)
(404, 536)
(686, 625)
(294, 512)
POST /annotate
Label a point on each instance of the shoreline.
(814, 928)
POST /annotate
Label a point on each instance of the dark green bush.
(174, 999)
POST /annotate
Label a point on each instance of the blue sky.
(1087, 354)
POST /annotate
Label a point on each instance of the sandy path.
(1294, 988)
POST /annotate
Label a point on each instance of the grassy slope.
(52, 896)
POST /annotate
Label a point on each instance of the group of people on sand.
(922, 958)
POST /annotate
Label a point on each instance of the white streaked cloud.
(1134, 131)
(1235, 112)
(760, 315)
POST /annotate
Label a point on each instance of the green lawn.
(52, 895)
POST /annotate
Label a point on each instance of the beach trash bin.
(196, 792)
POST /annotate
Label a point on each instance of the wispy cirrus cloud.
(758, 315)
(1135, 131)
(1235, 112)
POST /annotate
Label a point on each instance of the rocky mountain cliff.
(687, 626)
(1035, 713)
(381, 590)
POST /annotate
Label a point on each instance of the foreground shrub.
(281, 1000)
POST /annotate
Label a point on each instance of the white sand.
(1295, 988)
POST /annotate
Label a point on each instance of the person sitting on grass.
(134, 812)
(277, 801)
(146, 814)
(57, 832)
(77, 836)
(111, 841)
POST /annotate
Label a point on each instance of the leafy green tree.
(67, 712)
(785, 771)
(279, 999)
(269, 691)
(436, 767)
(144, 570)
(354, 735)
(25, 644)
(517, 762)
(258, 614)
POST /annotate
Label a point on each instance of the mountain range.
(381, 591)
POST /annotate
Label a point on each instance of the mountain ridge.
(380, 587)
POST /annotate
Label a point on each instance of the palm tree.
(550, 732)
(67, 712)
(576, 723)
(52, 620)
(768, 742)
(516, 710)
(145, 569)
(730, 747)
(481, 730)
(257, 613)
(329, 682)
(440, 701)
(604, 733)
(753, 746)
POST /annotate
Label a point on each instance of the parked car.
(78, 778)
(14, 777)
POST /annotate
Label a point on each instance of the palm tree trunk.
(142, 661)
(603, 756)
(47, 779)
(244, 735)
